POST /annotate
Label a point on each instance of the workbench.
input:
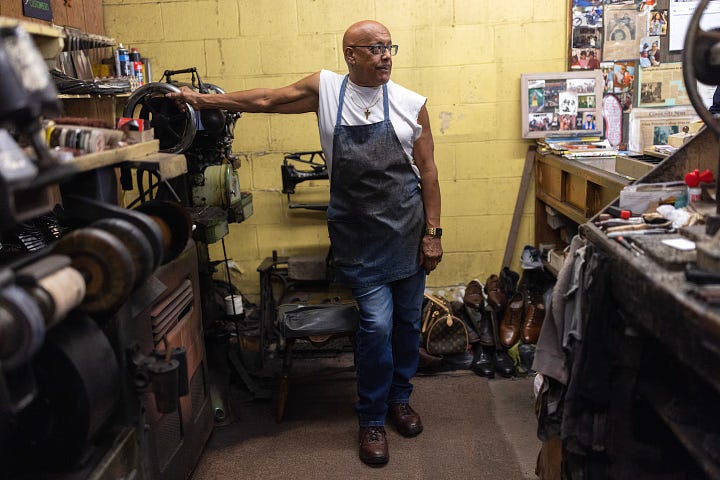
(666, 365)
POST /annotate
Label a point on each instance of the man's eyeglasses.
(379, 49)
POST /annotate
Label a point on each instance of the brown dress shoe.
(406, 420)
(373, 446)
(511, 322)
(473, 297)
(534, 316)
(496, 297)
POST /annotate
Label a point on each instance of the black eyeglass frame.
(379, 49)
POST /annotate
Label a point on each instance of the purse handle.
(437, 302)
(428, 311)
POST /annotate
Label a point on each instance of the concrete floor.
(515, 413)
(509, 402)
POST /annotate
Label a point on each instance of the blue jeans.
(387, 345)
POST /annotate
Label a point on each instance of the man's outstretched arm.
(299, 97)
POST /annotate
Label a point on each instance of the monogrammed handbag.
(442, 332)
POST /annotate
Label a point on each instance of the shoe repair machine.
(103, 371)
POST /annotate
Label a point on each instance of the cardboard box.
(631, 167)
(143, 136)
(677, 140)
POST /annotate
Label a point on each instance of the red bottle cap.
(625, 214)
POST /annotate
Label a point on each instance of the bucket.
(233, 305)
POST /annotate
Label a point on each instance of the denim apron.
(375, 215)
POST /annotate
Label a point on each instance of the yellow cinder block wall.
(466, 56)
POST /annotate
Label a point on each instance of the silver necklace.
(366, 108)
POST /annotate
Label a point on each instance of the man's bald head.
(362, 32)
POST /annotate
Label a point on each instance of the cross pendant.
(367, 113)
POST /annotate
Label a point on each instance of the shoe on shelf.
(504, 364)
(373, 446)
(511, 322)
(483, 363)
(496, 297)
(534, 317)
(474, 297)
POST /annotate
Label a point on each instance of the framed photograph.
(562, 104)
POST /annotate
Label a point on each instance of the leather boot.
(509, 281)
(504, 364)
(473, 297)
(406, 420)
(495, 296)
(373, 446)
(483, 362)
(526, 352)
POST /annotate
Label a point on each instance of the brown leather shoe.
(406, 420)
(534, 316)
(473, 297)
(496, 297)
(373, 446)
(511, 322)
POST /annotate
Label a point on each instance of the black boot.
(527, 355)
(504, 364)
(483, 363)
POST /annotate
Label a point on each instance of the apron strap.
(341, 100)
(386, 102)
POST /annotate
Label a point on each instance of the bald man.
(383, 215)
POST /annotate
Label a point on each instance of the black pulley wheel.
(174, 128)
(137, 244)
(175, 223)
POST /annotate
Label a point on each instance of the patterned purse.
(443, 333)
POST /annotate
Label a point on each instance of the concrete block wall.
(466, 56)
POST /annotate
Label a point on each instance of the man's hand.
(430, 252)
(185, 95)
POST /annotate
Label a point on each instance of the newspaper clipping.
(662, 86)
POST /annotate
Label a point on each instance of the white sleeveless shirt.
(405, 106)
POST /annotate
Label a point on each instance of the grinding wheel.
(79, 380)
(22, 327)
(105, 263)
(138, 245)
(175, 223)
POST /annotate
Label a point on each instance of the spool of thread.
(67, 289)
(233, 305)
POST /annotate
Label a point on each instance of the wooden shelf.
(143, 155)
(577, 189)
(49, 40)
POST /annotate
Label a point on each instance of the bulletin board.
(629, 41)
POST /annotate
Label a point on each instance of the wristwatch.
(433, 231)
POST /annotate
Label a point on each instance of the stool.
(315, 323)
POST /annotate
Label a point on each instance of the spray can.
(122, 62)
(137, 65)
